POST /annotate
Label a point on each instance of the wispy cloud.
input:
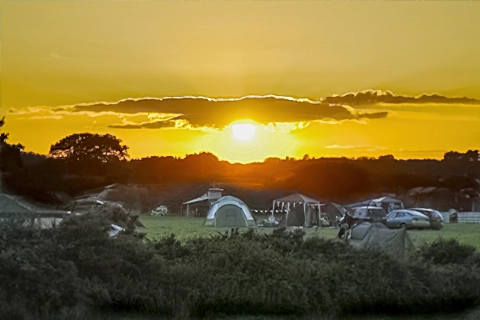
(357, 147)
(61, 57)
(56, 117)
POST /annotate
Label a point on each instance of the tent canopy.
(229, 211)
(376, 202)
(297, 197)
(300, 210)
(199, 199)
(8, 204)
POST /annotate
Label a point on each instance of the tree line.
(80, 162)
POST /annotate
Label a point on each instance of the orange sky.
(58, 55)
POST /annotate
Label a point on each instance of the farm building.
(430, 197)
(212, 195)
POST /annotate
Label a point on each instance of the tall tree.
(89, 153)
(89, 147)
(9, 153)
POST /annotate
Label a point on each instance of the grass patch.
(186, 227)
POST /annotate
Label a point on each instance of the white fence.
(463, 217)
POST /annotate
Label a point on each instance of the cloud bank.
(202, 113)
(371, 97)
(218, 113)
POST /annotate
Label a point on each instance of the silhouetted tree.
(9, 153)
(89, 153)
(338, 181)
(470, 155)
(386, 157)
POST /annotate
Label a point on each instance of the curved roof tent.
(229, 211)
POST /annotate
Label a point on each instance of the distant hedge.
(45, 274)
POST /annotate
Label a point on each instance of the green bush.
(77, 264)
(443, 251)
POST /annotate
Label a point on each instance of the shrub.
(443, 251)
(50, 273)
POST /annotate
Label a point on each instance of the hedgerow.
(45, 274)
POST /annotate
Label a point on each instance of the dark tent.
(377, 236)
(331, 211)
(300, 210)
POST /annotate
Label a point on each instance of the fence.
(463, 217)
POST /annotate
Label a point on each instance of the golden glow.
(65, 53)
(243, 131)
(265, 144)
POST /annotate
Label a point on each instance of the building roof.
(199, 199)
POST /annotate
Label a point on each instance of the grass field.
(186, 227)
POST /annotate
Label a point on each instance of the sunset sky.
(171, 77)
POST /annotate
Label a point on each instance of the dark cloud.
(148, 125)
(126, 126)
(371, 97)
(199, 111)
(373, 115)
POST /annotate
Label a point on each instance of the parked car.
(370, 214)
(410, 219)
(435, 217)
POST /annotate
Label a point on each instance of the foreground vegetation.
(69, 271)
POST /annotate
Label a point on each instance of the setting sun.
(243, 131)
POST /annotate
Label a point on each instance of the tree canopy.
(88, 147)
(9, 153)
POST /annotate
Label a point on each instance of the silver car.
(409, 219)
(436, 218)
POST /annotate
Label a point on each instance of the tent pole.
(305, 224)
(286, 215)
(319, 215)
(273, 209)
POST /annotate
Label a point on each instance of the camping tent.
(17, 207)
(387, 203)
(377, 236)
(229, 211)
(332, 211)
(300, 210)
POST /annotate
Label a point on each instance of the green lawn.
(186, 227)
